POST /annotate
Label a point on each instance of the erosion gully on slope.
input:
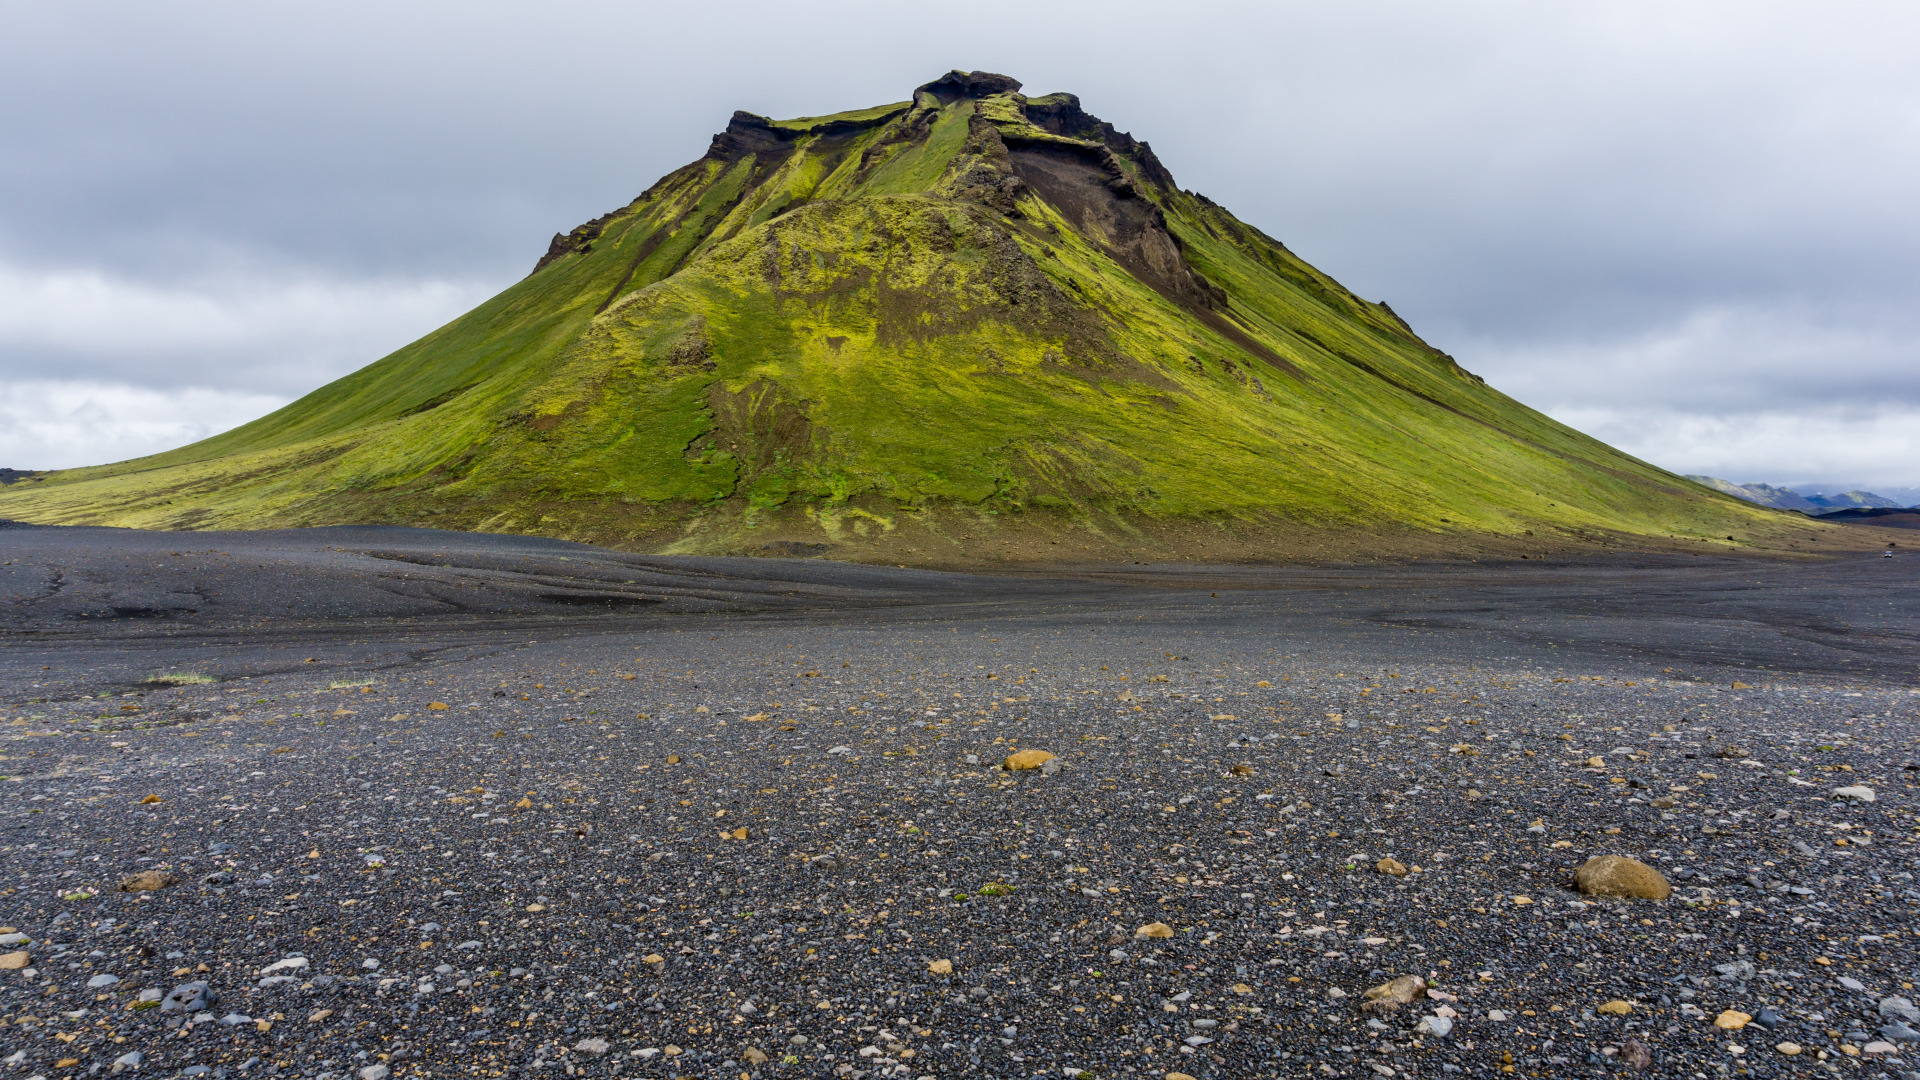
(761, 832)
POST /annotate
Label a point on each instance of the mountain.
(1764, 494)
(1814, 503)
(1851, 500)
(968, 327)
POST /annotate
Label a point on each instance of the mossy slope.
(951, 329)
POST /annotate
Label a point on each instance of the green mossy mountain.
(968, 327)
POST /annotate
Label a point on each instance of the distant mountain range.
(1816, 504)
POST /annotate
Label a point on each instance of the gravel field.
(367, 803)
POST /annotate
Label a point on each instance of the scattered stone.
(1899, 1031)
(1637, 1054)
(595, 1046)
(374, 1072)
(1879, 1047)
(1895, 1007)
(1857, 792)
(1437, 1026)
(234, 1019)
(1027, 759)
(1178, 1076)
(193, 997)
(841, 751)
(823, 863)
(1616, 1007)
(101, 980)
(14, 961)
(1732, 1020)
(129, 1060)
(754, 1056)
(940, 967)
(291, 963)
(1791, 1049)
(1389, 996)
(1848, 982)
(1617, 875)
(1391, 866)
(1154, 930)
(148, 881)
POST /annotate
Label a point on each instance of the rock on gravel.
(1391, 995)
(148, 881)
(1438, 1027)
(1617, 875)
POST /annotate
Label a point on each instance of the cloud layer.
(1686, 228)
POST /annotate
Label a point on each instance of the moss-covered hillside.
(966, 327)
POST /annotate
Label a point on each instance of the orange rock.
(1028, 759)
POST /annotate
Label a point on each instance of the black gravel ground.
(446, 805)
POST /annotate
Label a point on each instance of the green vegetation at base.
(957, 329)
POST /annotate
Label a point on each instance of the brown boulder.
(148, 881)
(1389, 996)
(1617, 875)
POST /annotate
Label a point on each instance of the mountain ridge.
(1818, 505)
(975, 326)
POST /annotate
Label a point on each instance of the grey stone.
(1437, 1026)
(235, 1019)
(1848, 982)
(1895, 1007)
(102, 979)
(374, 1072)
(129, 1060)
(1898, 1031)
(193, 997)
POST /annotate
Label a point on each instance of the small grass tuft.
(182, 678)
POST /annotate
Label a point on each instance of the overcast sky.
(1690, 229)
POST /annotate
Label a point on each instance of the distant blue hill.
(1816, 504)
